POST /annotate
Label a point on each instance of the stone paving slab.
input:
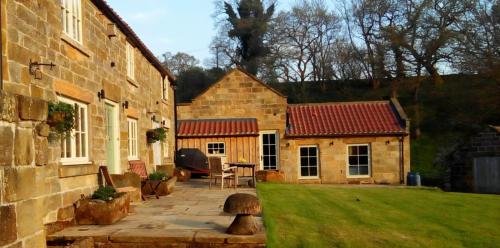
(192, 214)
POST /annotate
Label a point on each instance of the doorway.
(112, 137)
(156, 147)
(269, 150)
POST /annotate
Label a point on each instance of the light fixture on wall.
(331, 143)
(125, 104)
(101, 94)
(153, 118)
(287, 144)
(163, 123)
(387, 142)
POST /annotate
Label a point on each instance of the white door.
(112, 137)
(156, 147)
(269, 150)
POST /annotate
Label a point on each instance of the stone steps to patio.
(191, 216)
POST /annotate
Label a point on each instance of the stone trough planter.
(98, 212)
(165, 187)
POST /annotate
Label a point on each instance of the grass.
(331, 216)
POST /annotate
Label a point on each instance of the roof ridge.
(337, 103)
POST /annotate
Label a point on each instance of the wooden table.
(246, 165)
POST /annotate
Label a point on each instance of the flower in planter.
(158, 176)
(157, 134)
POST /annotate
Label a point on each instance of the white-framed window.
(132, 139)
(358, 160)
(130, 61)
(216, 148)
(75, 147)
(71, 15)
(309, 161)
(165, 85)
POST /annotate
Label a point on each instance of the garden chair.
(217, 170)
(108, 181)
(139, 167)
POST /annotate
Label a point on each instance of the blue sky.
(170, 25)
(173, 25)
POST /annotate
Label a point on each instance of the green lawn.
(331, 216)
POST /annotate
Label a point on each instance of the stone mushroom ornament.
(244, 206)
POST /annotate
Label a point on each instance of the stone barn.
(242, 118)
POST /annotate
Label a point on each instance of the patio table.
(246, 165)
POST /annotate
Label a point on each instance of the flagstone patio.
(191, 216)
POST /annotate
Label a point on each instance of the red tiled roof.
(343, 119)
(217, 127)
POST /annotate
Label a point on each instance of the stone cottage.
(82, 53)
(241, 118)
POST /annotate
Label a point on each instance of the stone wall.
(37, 192)
(384, 159)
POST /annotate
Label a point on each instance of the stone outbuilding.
(82, 53)
(475, 165)
(240, 118)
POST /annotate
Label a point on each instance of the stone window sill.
(77, 170)
(75, 44)
(132, 82)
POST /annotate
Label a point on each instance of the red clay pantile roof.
(217, 127)
(343, 119)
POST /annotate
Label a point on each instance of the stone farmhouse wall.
(238, 95)
(36, 190)
(384, 156)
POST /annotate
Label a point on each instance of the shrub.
(61, 118)
(157, 176)
(105, 193)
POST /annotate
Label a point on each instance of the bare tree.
(179, 62)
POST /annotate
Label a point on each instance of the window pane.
(304, 172)
(353, 160)
(272, 161)
(272, 150)
(84, 145)
(68, 147)
(266, 160)
(82, 120)
(312, 151)
(363, 160)
(313, 161)
(363, 150)
(78, 144)
(77, 117)
(313, 171)
(353, 150)
(353, 170)
(363, 170)
(304, 161)
(303, 151)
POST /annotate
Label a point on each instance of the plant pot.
(275, 176)
(182, 175)
(98, 212)
(56, 117)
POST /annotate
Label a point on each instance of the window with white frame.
(216, 148)
(308, 161)
(358, 160)
(71, 15)
(74, 147)
(130, 61)
(132, 139)
(165, 142)
(164, 85)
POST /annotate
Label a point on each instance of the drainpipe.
(1, 49)
(401, 160)
(175, 125)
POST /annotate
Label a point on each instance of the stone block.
(52, 203)
(29, 217)
(41, 151)
(8, 229)
(42, 129)
(20, 183)
(32, 108)
(6, 146)
(23, 149)
(37, 240)
(8, 107)
(66, 213)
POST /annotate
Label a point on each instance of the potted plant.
(157, 134)
(182, 174)
(104, 207)
(159, 183)
(61, 118)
